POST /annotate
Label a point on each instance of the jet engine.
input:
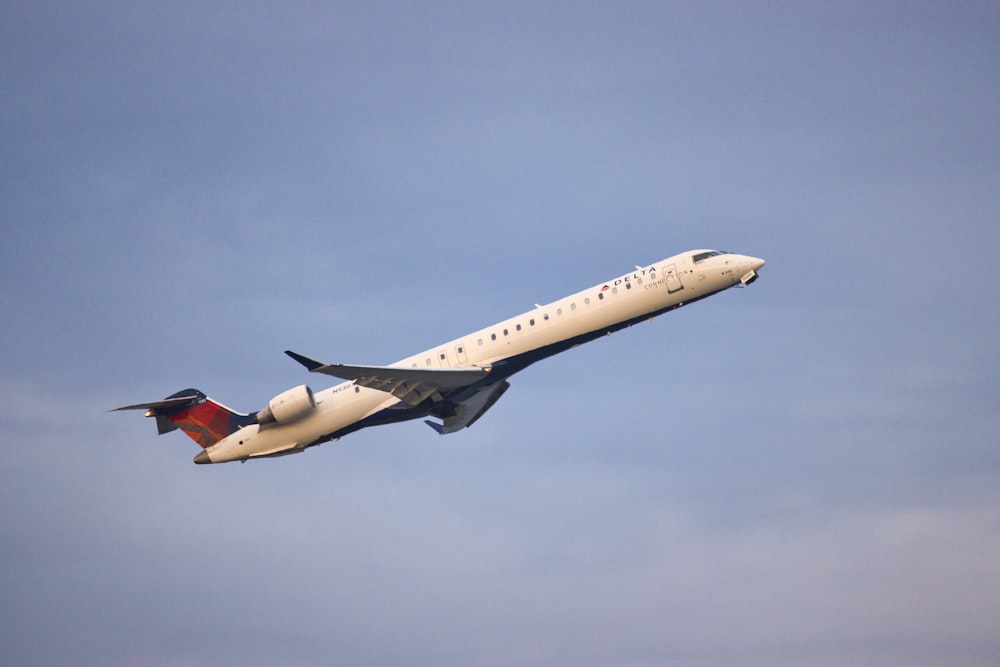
(287, 406)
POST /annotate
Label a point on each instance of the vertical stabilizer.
(205, 421)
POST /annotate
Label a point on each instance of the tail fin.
(204, 420)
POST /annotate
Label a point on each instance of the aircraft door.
(460, 353)
(671, 279)
(443, 358)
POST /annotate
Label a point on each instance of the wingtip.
(310, 364)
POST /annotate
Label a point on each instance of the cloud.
(802, 471)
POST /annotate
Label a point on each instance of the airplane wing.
(472, 408)
(410, 385)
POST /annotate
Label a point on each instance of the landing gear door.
(671, 279)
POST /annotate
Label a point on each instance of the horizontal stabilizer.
(166, 403)
(411, 385)
(205, 421)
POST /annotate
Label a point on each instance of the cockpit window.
(705, 255)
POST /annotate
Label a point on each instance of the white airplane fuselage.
(503, 348)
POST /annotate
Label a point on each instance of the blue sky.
(805, 471)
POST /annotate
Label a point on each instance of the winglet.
(310, 364)
(434, 425)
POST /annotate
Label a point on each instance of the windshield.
(708, 253)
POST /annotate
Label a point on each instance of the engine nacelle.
(287, 406)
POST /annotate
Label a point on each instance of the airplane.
(455, 382)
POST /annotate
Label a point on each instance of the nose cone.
(202, 457)
(749, 266)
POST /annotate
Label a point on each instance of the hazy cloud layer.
(803, 472)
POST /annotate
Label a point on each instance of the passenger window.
(614, 290)
(443, 356)
(628, 285)
(558, 311)
(586, 301)
(506, 333)
(493, 336)
(600, 296)
(531, 322)
(639, 280)
(480, 342)
(545, 316)
(518, 327)
(428, 361)
(572, 306)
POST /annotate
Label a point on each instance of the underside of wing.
(465, 413)
(411, 385)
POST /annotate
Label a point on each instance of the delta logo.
(651, 272)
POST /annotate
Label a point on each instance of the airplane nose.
(202, 457)
(750, 266)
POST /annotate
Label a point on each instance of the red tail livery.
(204, 420)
